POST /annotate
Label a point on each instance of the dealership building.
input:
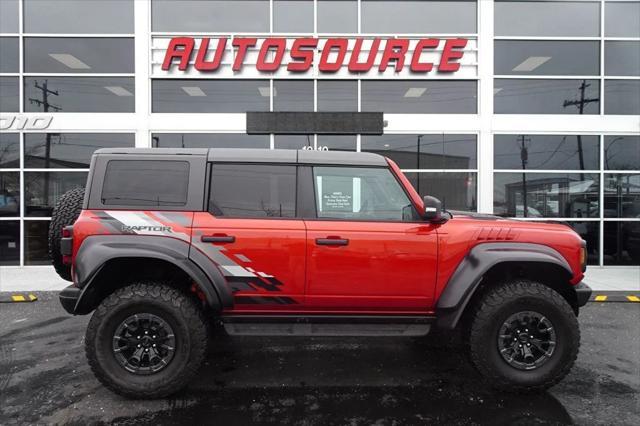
(517, 108)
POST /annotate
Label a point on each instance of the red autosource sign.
(334, 54)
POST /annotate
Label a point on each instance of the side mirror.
(432, 209)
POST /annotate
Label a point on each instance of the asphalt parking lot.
(44, 378)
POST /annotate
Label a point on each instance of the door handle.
(332, 241)
(218, 239)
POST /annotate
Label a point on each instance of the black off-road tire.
(180, 310)
(65, 213)
(494, 308)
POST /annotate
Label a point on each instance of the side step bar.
(334, 325)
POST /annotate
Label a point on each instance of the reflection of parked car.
(9, 205)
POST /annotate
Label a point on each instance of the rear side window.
(241, 190)
(146, 183)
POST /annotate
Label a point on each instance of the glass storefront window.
(9, 150)
(9, 242)
(622, 58)
(622, 97)
(337, 16)
(293, 16)
(546, 195)
(42, 190)
(621, 19)
(9, 16)
(78, 16)
(209, 140)
(622, 195)
(418, 17)
(9, 194)
(337, 143)
(9, 55)
(337, 95)
(78, 55)
(420, 97)
(36, 242)
(526, 57)
(293, 141)
(546, 152)
(621, 243)
(536, 96)
(457, 191)
(9, 96)
(622, 152)
(80, 94)
(293, 95)
(69, 150)
(210, 16)
(215, 96)
(547, 18)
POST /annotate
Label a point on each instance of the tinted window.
(547, 18)
(622, 152)
(9, 16)
(215, 96)
(36, 244)
(551, 152)
(547, 57)
(9, 242)
(69, 150)
(546, 195)
(621, 19)
(293, 16)
(78, 16)
(420, 97)
(457, 191)
(9, 54)
(146, 183)
(240, 190)
(621, 243)
(211, 15)
(43, 189)
(78, 55)
(337, 143)
(361, 194)
(337, 16)
(622, 195)
(622, 97)
(419, 17)
(530, 96)
(293, 141)
(9, 101)
(9, 150)
(209, 140)
(293, 95)
(622, 57)
(9, 194)
(337, 95)
(80, 94)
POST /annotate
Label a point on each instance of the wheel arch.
(106, 263)
(489, 264)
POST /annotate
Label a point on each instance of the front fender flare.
(468, 275)
(97, 250)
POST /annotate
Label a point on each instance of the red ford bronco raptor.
(166, 242)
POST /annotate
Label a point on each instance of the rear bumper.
(583, 293)
(69, 298)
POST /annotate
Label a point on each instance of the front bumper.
(69, 298)
(583, 293)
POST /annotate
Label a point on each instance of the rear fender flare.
(468, 275)
(96, 251)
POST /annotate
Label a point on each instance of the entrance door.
(252, 234)
(367, 250)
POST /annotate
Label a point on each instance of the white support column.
(485, 106)
(142, 19)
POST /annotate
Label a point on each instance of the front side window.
(356, 193)
(146, 183)
(253, 191)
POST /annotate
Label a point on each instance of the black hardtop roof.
(239, 155)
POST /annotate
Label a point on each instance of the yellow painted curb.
(600, 298)
(18, 298)
(633, 298)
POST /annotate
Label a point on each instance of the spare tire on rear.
(65, 213)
